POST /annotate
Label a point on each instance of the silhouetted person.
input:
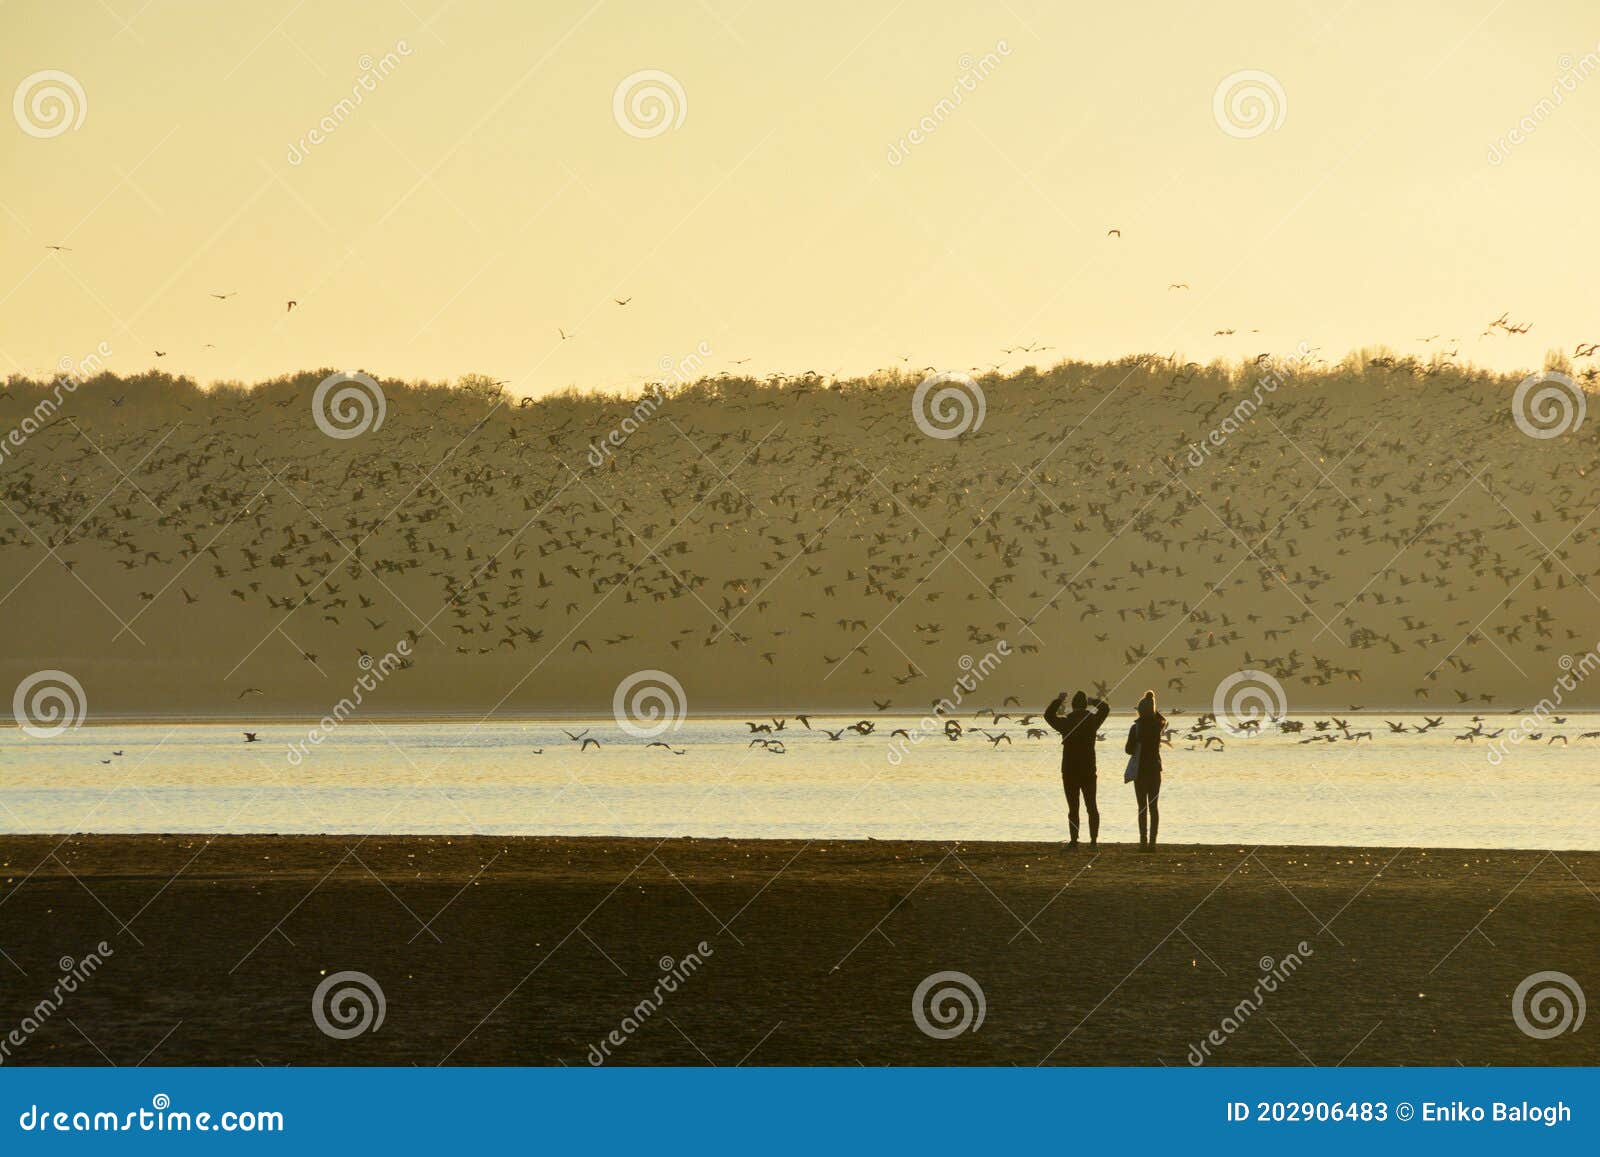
(1144, 737)
(1078, 729)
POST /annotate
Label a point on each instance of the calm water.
(393, 777)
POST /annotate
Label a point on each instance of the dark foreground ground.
(530, 951)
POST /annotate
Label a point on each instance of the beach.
(548, 951)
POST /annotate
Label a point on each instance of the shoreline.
(523, 950)
(1037, 847)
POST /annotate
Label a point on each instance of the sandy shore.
(530, 951)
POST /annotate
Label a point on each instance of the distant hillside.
(1377, 534)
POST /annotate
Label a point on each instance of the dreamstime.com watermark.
(49, 703)
(1573, 673)
(347, 1004)
(1549, 404)
(161, 1117)
(373, 674)
(648, 103)
(1248, 103)
(1273, 974)
(673, 973)
(348, 404)
(372, 72)
(1547, 1004)
(973, 73)
(73, 372)
(948, 405)
(1278, 372)
(974, 672)
(1573, 73)
(73, 974)
(947, 1004)
(679, 371)
(48, 103)
(648, 704)
(1246, 699)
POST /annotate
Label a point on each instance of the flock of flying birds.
(1383, 527)
(1204, 733)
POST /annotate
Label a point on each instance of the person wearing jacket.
(1078, 729)
(1144, 742)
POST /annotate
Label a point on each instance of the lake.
(529, 778)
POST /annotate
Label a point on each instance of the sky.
(835, 187)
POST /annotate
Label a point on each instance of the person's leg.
(1154, 796)
(1071, 787)
(1139, 795)
(1089, 786)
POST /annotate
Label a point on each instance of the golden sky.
(484, 194)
